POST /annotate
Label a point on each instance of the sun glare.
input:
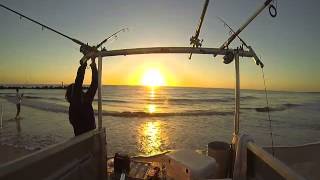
(153, 78)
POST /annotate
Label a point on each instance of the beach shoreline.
(9, 153)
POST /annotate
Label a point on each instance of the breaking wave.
(197, 100)
(146, 114)
(282, 107)
(145, 100)
(52, 107)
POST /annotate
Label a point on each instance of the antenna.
(194, 40)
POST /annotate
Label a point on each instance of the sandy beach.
(9, 153)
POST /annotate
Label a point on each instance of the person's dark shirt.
(81, 114)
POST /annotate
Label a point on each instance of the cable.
(268, 111)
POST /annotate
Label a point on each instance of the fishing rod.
(232, 31)
(88, 51)
(194, 40)
(44, 26)
(85, 49)
(112, 35)
(255, 57)
(255, 14)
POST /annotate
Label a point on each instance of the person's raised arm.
(94, 81)
(79, 80)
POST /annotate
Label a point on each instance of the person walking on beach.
(18, 105)
(81, 114)
(18, 102)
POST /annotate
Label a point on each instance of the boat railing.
(81, 157)
(262, 164)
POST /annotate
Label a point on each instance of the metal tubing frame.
(237, 94)
(168, 50)
(99, 93)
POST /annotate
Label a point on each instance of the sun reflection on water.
(152, 108)
(151, 138)
(152, 93)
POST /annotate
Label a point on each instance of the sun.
(153, 78)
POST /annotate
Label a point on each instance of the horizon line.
(172, 86)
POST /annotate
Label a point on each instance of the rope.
(268, 111)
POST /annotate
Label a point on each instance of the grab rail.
(279, 167)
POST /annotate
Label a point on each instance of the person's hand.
(93, 62)
(83, 63)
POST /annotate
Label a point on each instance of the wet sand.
(9, 153)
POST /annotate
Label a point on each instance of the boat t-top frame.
(235, 53)
(224, 50)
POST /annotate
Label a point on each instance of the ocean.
(146, 121)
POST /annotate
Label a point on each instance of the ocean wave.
(178, 101)
(184, 101)
(248, 97)
(197, 100)
(47, 98)
(52, 107)
(282, 107)
(34, 97)
(113, 101)
(170, 114)
(46, 106)
(291, 105)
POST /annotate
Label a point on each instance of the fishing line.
(268, 111)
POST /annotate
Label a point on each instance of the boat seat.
(191, 164)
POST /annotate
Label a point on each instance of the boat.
(85, 156)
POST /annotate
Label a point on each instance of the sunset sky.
(287, 44)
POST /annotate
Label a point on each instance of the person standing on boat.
(18, 102)
(81, 114)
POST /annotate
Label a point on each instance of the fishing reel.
(86, 49)
(195, 41)
(228, 58)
